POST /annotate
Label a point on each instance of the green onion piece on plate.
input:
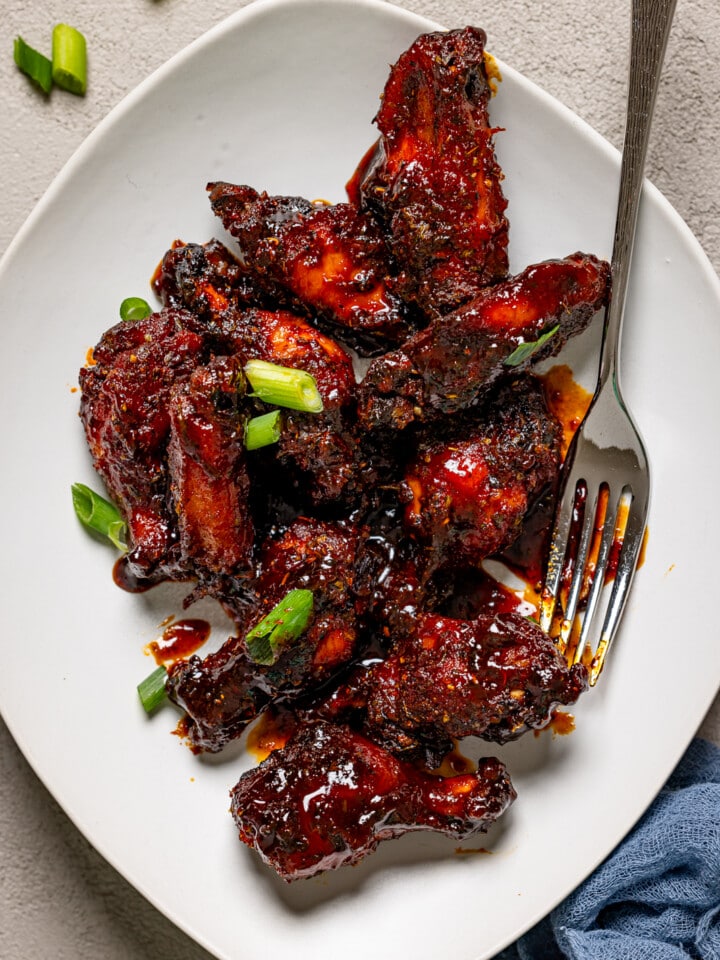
(99, 515)
(285, 623)
(284, 386)
(35, 65)
(263, 430)
(69, 59)
(152, 690)
(134, 308)
(526, 350)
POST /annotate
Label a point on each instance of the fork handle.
(651, 21)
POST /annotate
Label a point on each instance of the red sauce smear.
(179, 640)
(126, 580)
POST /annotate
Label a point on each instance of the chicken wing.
(330, 796)
(328, 261)
(446, 367)
(472, 487)
(434, 181)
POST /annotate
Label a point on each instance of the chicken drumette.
(472, 487)
(494, 677)
(329, 796)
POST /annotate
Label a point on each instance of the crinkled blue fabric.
(657, 896)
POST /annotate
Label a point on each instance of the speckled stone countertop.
(59, 898)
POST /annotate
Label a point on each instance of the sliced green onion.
(287, 620)
(152, 690)
(284, 386)
(526, 350)
(134, 308)
(35, 65)
(99, 515)
(69, 59)
(263, 430)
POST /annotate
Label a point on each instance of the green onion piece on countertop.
(287, 620)
(134, 308)
(35, 65)
(99, 515)
(263, 430)
(69, 59)
(526, 350)
(284, 386)
(152, 690)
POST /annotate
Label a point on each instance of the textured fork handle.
(651, 21)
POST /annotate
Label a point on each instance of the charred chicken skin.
(204, 278)
(329, 796)
(328, 261)
(448, 365)
(434, 181)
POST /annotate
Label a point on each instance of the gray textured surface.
(59, 898)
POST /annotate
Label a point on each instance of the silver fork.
(604, 496)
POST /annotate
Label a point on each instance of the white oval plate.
(282, 96)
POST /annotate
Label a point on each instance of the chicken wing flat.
(494, 677)
(207, 467)
(223, 692)
(446, 367)
(124, 408)
(472, 488)
(330, 796)
(329, 261)
(434, 181)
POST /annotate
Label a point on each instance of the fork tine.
(632, 540)
(556, 556)
(579, 577)
(609, 523)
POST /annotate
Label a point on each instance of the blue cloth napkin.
(657, 896)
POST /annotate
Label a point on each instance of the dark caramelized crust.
(445, 367)
(209, 481)
(329, 261)
(223, 692)
(205, 278)
(124, 408)
(283, 338)
(330, 796)
(472, 487)
(434, 181)
(494, 677)
(319, 451)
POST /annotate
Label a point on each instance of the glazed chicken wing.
(472, 487)
(445, 367)
(328, 261)
(434, 181)
(329, 796)
(207, 467)
(493, 677)
(124, 408)
(222, 693)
